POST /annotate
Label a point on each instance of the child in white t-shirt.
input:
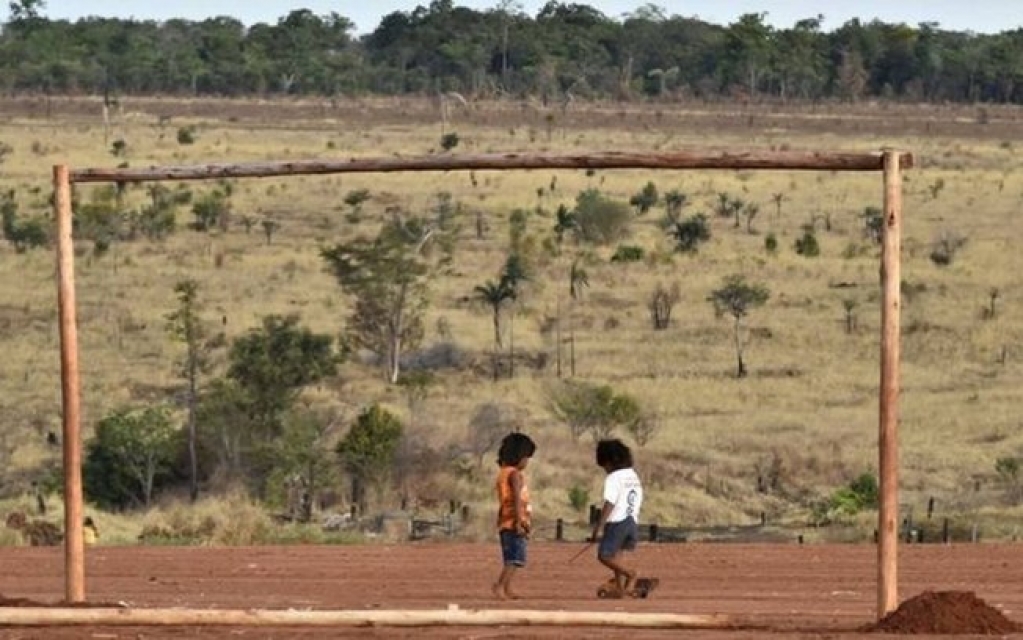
(623, 498)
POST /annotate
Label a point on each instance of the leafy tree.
(387, 276)
(272, 363)
(736, 298)
(599, 219)
(158, 219)
(212, 210)
(101, 221)
(300, 456)
(594, 409)
(26, 10)
(367, 451)
(186, 326)
(225, 415)
(748, 50)
(130, 457)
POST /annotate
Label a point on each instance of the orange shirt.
(506, 514)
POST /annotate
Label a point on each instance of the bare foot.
(499, 593)
(630, 583)
(510, 595)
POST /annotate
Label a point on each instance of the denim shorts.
(513, 548)
(618, 536)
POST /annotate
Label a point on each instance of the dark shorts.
(513, 548)
(618, 536)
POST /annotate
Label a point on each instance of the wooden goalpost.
(889, 162)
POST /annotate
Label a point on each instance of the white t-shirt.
(622, 488)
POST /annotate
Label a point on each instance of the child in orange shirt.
(514, 511)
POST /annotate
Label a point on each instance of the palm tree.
(494, 295)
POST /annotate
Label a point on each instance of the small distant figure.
(91, 533)
(619, 518)
(514, 513)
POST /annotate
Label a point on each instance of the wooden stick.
(579, 553)
(787, 160)
(74, 535)
(888, 439)
(46, 616)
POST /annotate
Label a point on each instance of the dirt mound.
(941, 612)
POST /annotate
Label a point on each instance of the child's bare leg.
(624, 578)
(502, 588)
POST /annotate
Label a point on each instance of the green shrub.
(186, 135)
(449, 141)
(646, 199)
(690, 234)
(578, 497)
(628, 253)
(600, 219)
(807, 245)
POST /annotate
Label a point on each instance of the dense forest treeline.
(565, 51)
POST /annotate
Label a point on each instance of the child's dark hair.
(613, 455)
(515, 447)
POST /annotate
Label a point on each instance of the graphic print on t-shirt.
(623, 489)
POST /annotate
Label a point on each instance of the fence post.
(559, 530)
(944, 532)
(930, 508)
(653, 532)
(594, 515)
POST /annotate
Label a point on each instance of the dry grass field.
(808, 405)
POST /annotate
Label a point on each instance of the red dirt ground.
(776, 591)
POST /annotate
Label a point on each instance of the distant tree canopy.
(567, 49)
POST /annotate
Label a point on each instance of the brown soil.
(775, 591)
(946, 612)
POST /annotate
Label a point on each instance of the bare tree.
(661, 304)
